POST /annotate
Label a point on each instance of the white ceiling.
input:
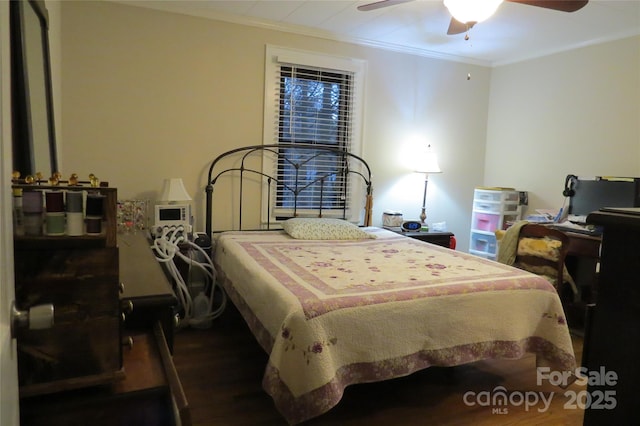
(515, 32)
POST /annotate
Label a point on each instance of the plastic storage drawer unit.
(493, 209)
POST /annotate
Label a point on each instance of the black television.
(589, 195)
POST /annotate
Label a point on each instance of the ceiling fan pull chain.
(466, 35)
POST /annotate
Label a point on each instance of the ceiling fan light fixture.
(472, 10)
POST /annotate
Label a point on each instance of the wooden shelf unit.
(79, 276)
(108, 236)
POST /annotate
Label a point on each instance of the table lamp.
(427, 164)
(174, 191)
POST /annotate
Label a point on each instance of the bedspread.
(335, 313)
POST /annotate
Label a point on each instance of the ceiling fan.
(461, 22)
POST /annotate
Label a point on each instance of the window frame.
(275, 58)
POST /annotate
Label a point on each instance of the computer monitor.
(593, 194)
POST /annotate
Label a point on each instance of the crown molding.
(197, 9)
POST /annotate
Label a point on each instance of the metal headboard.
(360, 170)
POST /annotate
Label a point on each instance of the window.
(312, 99)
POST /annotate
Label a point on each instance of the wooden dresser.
(79, 276)
(147, 294)
(106, 360)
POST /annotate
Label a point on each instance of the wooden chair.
(542, 251)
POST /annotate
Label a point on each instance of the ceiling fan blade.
(380, 4)
(457, 27)
(561, 5)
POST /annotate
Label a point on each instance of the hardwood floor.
(221, 371)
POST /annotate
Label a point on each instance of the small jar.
(392, 219)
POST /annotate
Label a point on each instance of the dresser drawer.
(70, 355)
(149, 394)
(81, 283)
(82, 348)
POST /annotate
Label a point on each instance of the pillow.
(323, 229)
(547, 248)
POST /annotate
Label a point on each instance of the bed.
(352, 306)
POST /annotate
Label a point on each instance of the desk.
(582, 263)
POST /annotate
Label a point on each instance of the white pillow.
(323, 229)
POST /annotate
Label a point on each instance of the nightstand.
(439, 238)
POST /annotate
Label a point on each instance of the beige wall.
(149, 94)
(577, 112)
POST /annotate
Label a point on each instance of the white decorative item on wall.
(132, 215)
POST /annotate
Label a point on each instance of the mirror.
(34, 143)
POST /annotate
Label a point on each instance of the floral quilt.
(334, 313)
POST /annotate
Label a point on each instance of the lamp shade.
(428, 162)
(472, 10)
(174, 190)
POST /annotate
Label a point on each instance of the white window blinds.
(316, 101)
